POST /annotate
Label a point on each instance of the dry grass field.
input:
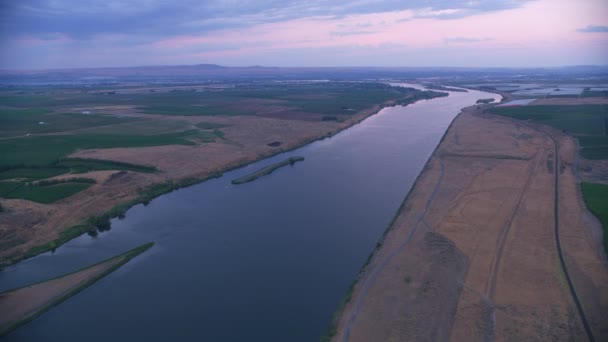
(472, 254)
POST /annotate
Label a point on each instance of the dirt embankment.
(472, 255)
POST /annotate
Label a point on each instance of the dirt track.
(472, 253)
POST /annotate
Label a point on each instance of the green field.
(29, 174)
(41, 126)
(19, 122)
(314, 97)
(192, 110)
(8, 187)
(42, 193)
(39, 150)
(596, 198)
(47, 194)
(320, 98)
(577, 120)
(589, 123)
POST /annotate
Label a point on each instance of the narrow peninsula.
(266, 170)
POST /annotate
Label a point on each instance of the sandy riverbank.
(471, 255)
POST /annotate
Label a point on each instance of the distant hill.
(213, 72)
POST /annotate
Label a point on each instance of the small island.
(266, 170)
(444, 88)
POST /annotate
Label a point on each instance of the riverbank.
(471, 254)
(44, 227)
(22, 305)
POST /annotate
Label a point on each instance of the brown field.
(472, 254)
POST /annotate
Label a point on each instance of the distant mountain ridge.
(214, 72)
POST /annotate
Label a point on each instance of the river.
(268, 260)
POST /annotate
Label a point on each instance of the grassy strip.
(65, 236)
(266, 170)
(596, 199)
(126, 257)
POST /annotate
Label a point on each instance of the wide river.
(268, 260)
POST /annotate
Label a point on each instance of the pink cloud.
(547, 28)
(541, 22)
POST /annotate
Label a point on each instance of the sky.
(44, 34)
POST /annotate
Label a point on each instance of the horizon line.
(305, 67)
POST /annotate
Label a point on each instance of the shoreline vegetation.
(266, 170)
(22, 305)
(101, 222)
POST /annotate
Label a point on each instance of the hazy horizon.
(309, 67)
(45, 34)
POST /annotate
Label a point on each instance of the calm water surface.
(266, 261)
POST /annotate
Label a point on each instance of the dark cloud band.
(83, 19)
